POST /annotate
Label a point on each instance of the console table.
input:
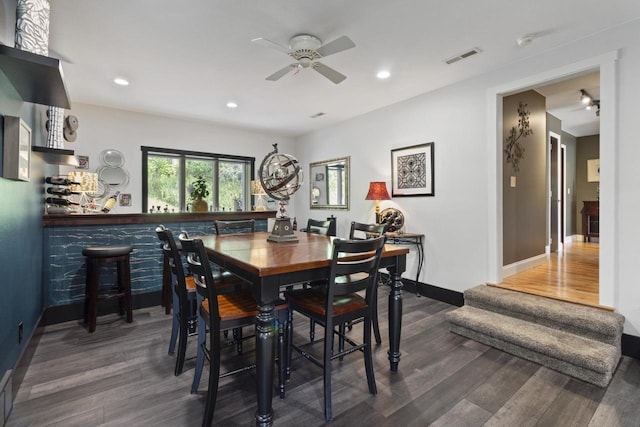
(413, 239)
(590, 220)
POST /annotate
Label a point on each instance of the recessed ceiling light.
(232, 104)
(525, 40)
(120, 81)
(384, 74)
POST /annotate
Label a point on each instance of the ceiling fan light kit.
(307, 49)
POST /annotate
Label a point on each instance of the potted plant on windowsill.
(199, 193)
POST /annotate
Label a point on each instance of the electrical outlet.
(20, 332)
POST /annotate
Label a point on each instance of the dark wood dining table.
(270, 266)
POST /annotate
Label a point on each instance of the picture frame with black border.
(412, 171)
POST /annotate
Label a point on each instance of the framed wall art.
(125, 199)
(593, 170)
(83, 162)
(17, 149)
(412, 171)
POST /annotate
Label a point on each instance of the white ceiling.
(563, 101)
(188, 59)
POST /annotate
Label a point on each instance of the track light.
(588, 100)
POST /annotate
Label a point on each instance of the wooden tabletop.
(253, 253)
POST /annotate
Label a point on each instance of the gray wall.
(587, 147)
(525, 205)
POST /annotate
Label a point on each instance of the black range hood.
(36, 78)
(56, 156)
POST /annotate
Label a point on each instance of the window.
(168, 175)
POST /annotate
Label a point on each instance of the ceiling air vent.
(463, 55)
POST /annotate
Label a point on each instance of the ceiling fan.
(307, 50)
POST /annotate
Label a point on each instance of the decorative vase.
(199, 205)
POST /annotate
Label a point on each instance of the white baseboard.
(525, 264)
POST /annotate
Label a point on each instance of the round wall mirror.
(113, 176)
(112, 158)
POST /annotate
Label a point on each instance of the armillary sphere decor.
(281, 176)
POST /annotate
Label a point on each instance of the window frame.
(182, 156)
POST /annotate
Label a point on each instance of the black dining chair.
(240, 226)
(354, 268)
(220, 312)
(235, 227)
(327, 228)
(184, 297)
(358, 231)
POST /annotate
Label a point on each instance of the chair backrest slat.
(354, 265)
(171, 250)
(365, 230)
(200, 267)
(320, 227)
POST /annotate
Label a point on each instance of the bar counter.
(66, 235)
(147, 218)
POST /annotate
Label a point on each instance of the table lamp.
(377, 191)
(259, 193)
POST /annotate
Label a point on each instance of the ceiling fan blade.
(329, 72)
(281, 73)
(269, 43)
(338, 45)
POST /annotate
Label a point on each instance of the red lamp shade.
(378, 191)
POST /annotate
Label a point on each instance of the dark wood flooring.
(122, 376)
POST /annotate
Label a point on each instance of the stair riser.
(608, 338)
(590, 376)
(579, 320)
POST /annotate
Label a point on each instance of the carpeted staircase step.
(594, 323)
(590, 360)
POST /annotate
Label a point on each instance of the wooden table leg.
(265, 359)
(395, 312)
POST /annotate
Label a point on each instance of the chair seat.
(314, 300)
(106, 251)
(191, 284)
(226, 281)
(238, 305)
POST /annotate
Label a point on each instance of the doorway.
(557, 192)
(607, 65)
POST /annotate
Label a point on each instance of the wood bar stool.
(95, 257)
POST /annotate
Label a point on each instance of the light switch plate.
(513, 181)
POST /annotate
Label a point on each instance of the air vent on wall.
(463, 55)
